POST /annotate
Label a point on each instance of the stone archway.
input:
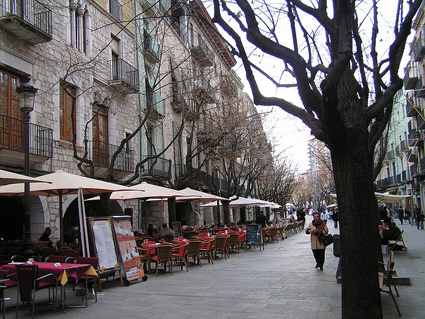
(92, 208)
(12, 218)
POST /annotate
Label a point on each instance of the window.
(9, 99)
(115, 49)
(68, 96)
(115, 9)
(11, 129)
(78, 17)
(100, 135)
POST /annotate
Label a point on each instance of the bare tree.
(347, 98)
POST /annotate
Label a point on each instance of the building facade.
(127, 92)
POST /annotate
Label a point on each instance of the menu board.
(127, 247)
(253, 235)
(104, 243)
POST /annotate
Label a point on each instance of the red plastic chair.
(181, 254)
(207, 249)
(242, 239)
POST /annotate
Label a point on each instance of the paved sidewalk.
(279, 282)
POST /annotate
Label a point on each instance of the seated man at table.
(46, 236)
(262, 220)
(165, 231)
(390, 231)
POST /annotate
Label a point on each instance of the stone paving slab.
(279, 282)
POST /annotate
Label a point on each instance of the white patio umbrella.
(144, 191)
(62, 183)
(241, 201)
(198, 196)
(386, 198)
(7, 178)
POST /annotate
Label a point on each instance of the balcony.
(12, 140)
(228, 85)
(157, 168)
(115, 9)
(404, 146)
(390, 156)
(413, 138)
(29, 20)
(418, 47)
(411, 108)
(102, 154)
(124, 77)
(201, 52)
(413, 169)
(179, 104)
(411, 76)
(421, 122)
(204, 92)
(151, 48)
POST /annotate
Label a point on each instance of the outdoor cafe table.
(62, 271)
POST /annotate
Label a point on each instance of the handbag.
(327, 239)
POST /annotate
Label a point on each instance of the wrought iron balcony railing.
(30, 20)
(102, 154)
(124, 76)
(12, 137)
(157, 167)
(201, 52)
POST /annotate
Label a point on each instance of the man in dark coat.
(262, 220)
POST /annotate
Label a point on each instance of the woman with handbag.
(317, 228)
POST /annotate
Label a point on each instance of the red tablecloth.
(62, 272)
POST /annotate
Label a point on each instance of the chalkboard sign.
(254, 235)
(177, 227)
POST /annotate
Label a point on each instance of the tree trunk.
(226, 212)
(358, 211)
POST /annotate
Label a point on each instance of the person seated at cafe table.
(262, 220)
(389, 231)
(165, 231)
(151, 231)
(70, 236)
(46, 236)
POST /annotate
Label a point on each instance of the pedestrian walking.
(400, 213)
(324, 216)
(316, 229)
(335, 218)
(419, 217)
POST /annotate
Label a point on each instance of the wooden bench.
(386, 279)
(393, 242)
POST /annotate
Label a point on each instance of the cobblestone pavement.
(278, 282)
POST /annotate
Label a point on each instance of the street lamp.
(27, 94)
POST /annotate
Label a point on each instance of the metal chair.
(164, 255)
(29, 283)
(88, 281)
